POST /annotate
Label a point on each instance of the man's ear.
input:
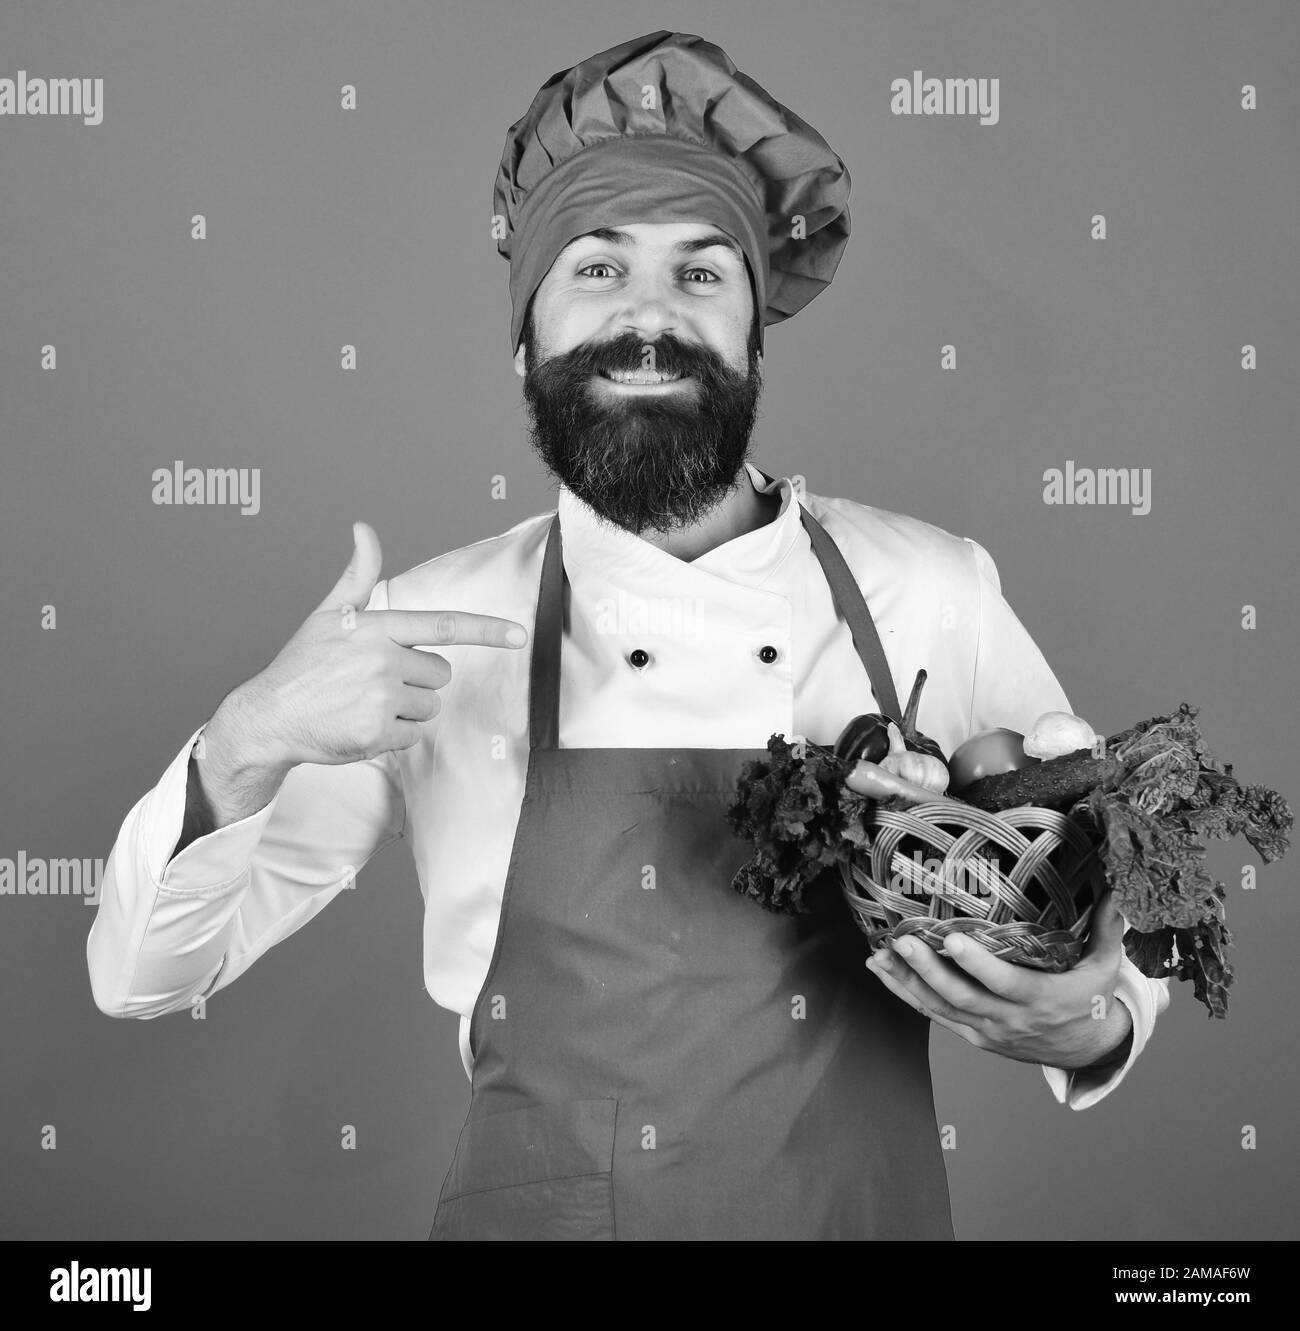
(519, 359)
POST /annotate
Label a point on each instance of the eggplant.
(864, 739)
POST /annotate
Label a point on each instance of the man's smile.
(643, 381)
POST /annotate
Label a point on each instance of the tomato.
(986, 754)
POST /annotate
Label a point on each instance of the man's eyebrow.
(708, 242)
(612, 236)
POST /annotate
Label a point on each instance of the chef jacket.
(720, 651)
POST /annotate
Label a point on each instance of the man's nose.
(652, 307)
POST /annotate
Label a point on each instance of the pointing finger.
(444, 628)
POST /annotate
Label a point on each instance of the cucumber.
(1056, 783)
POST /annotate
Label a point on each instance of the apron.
(656, 1056)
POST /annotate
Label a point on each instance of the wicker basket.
(1022, 882)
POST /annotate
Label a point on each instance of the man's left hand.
(1064, 1020)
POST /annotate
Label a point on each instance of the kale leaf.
(1173, 793)
(802, 820)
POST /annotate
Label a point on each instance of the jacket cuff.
(1145, 999)
(208, 863)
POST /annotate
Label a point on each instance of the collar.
(751, 558)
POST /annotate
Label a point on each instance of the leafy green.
(1173, 793)
(802, 820)
(1156, 870)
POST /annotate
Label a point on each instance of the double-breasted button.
(639, 657)
(767, 655)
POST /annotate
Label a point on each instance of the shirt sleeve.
(1013, 687)
(1013, 684)
(1145, 999)
(167, 930)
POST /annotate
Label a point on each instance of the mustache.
(627, 352)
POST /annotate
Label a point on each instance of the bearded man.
(650, 1055)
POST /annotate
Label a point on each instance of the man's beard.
(645, 461)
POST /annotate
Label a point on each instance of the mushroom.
(1057, 733)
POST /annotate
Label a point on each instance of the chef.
(650, 1055)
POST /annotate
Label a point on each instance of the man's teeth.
(640, 376)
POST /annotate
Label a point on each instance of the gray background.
(371, 227)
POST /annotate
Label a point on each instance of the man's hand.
(349, 685)
(1066, 1020)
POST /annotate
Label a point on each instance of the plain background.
(372, 227)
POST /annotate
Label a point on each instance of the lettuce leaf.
(1174, 793)
(801, 819)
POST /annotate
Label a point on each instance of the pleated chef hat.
(661, 129)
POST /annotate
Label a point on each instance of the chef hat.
(665, 128)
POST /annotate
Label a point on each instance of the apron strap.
(544, 667)
(853, 606)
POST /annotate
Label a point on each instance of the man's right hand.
(350, 683)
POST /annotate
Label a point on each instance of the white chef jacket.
(166, 931)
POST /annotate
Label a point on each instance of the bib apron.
(656, 1056)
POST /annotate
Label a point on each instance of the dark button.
(639, 658)
(767, 655)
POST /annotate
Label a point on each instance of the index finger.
(444, 628)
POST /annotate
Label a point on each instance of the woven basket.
(1022, 882)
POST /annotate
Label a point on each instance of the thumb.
(360, 576)
(1106, 928)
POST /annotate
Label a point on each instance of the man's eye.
(592, 270)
